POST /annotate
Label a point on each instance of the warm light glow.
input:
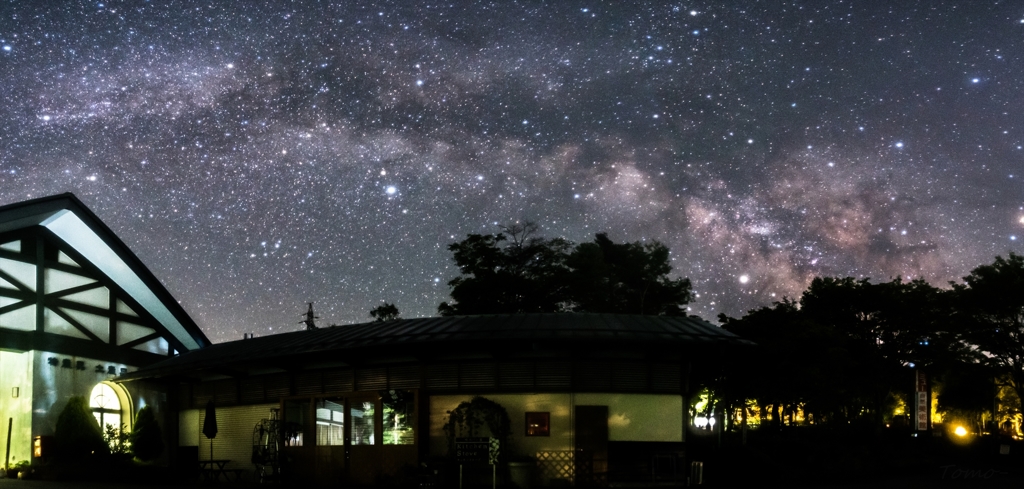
(960, 431)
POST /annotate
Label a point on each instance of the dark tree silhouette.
(517, 272)
(77, 433)
(384, 312)
(796, 363)
(527, 274)
(991, 301)
(846, 348)
(147, 439)
(627, 278)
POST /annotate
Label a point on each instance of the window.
(295, 415)
(399, 417)
(105, 405)
(361, 416)
(330, 422)
(538, 424)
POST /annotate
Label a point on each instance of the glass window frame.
(543, 428)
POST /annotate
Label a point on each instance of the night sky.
(258, 156)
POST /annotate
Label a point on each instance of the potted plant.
(521, 469)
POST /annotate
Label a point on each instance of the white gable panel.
(52, 323)
(14, 246)
(21, 271)
(23, 318)
(69, 227)
(98, 297)
(7, 285)
(56, 280)
(65, 259)
(124, 309)
(156, 345)
(97, 325)
(129, 332)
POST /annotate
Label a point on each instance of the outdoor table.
(212, 470)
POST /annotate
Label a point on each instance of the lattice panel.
(555, 464)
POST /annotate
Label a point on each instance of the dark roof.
(495, 334)
(70, 220)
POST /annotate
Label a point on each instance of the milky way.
(258, 156)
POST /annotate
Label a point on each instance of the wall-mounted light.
(16, 391)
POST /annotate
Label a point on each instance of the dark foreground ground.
(792, 458)
(858, 458)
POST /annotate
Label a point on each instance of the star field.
(261, 155)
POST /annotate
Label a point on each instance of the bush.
(77, 433)
(147, 440)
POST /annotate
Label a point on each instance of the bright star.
(391, 190)
(744, 279)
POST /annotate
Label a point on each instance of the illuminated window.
(330, 422)
(106, 405)
(362, 422)
(538, 424)
(399, 417)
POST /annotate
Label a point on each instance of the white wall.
(631, 417)
(235, 426)
(16, 371)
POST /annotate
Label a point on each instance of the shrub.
(117, 439)
(147, 440)
(77, 433)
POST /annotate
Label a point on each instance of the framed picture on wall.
(538, 424)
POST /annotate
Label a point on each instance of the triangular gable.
(89, 241)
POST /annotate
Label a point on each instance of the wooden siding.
(475, 376)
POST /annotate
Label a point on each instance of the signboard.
(921, 406)
(476, 449)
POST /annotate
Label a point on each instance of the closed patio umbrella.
(210, 424)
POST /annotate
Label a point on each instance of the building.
(77, 310)
(589, 396)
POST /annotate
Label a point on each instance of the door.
(329, 415)
(363, 440)
(591, 450)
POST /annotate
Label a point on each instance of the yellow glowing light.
(960, 431)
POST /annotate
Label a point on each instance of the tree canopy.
(384, 312)
(844, 351)
(515, 271)
(991, 306)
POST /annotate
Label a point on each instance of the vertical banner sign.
(921, 409)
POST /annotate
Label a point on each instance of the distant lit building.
(77, 309)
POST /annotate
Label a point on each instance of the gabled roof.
(433, 338)
(71, 221)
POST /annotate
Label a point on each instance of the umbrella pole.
(211, 448)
